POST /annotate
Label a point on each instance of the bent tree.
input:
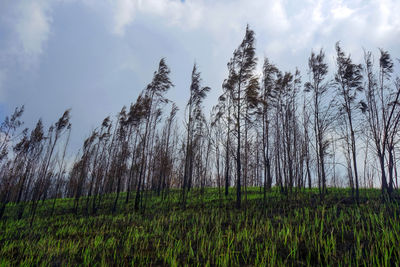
(348, 81)
(194, 113)
(241, 84)
(382, 111)
(154, 96)
(321, 109)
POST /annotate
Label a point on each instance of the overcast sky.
(95, 56)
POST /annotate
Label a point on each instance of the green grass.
(284, 231)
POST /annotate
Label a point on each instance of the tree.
(194, 111)
(223, 117)
(306, 140)
(43, 182)
(287, 151)
(268, 83)
(136, 116)
(241, 84)
(348, 81)
(121, 152)
(154, 99)
(382, 110)
(7, 135)
(322, 111)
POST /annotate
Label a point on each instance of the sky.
(94, 56)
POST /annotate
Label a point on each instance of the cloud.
(123, 14)
(107, 50)
(341, 12)
(28, 24)
(306, 23)
(32, 27)
(26, 29)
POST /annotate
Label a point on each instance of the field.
(297, 230)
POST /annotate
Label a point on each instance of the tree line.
(269, 128)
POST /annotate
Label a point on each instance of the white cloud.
(188, 14)
(32, 26)
(123, 14)
(387, 20)
(341, 11)
(27, 25)
(203, 30)
(309, 20)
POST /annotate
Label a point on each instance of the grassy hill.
(295, 230)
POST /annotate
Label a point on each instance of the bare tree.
(348, 81)
(322, 109)
(382, 110)
(154, 98)
(44, 179)
(241, 83)
(194, 111)
(267, 96)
